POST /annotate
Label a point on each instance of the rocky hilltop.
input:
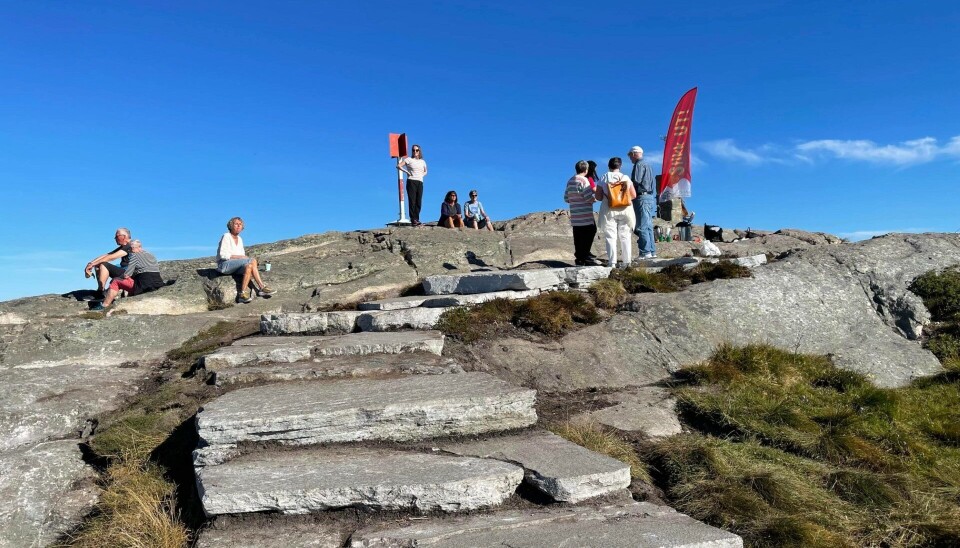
(62, 367)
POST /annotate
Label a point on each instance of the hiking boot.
(244, 297)
(98, 306)
(265, 291)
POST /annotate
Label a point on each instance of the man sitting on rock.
(142, 275)
(103, 268)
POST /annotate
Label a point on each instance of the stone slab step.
(556, 467)
(303, 481)
(634, 525)
(336, 367)
(300, 323)
(410, 408)
(440, 301)
(315, 323)
(514, 280)
(656, 265)
(263, 350)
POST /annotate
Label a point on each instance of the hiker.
(103, 268)
(231, 257)
(616, 213)
(580, 195)
(645, 204)
(450, 214)
(474, 214)
(416, 170)
(592, 174)
(142, 275)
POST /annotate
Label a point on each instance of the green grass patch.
(940, 291)
(794, 452)
(220, 334)
(553, 313)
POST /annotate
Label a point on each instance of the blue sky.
(172, 117)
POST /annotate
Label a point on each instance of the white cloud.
(726, 149)
(916, 151)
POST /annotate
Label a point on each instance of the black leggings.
(414, 198)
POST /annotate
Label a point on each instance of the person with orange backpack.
(617, 219)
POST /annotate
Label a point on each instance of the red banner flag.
(675, 179)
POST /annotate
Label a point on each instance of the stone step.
(634, 525)
(311, 480)
(334, 367)
(314, 323)
(301, 323)
(554, 466)
(409, 408)
(264, 350)
(656, 265)
(514, 280)
(441, 301)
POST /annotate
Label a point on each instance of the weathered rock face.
(846, 301)
(311, 480)
(636, 525)
(649, 410)
(47, 488)
(518, 280)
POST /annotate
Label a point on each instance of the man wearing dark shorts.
(101, 266)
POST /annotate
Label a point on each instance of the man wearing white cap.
(645, 204)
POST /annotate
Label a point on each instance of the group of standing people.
(139, 271)
(628, 204)
(452, 215)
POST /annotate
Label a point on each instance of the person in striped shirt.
(580, 196)
(142, 275)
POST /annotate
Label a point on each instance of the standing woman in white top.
(416, 170)
(617, 219)
(231, 257)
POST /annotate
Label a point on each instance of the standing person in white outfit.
(416, 170)
(617, 219)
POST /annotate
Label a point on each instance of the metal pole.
(403, 215)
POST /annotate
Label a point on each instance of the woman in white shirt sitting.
(231, 257)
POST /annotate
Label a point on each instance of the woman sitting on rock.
(450, 213)
(231, 257)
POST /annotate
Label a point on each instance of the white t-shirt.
(228, 247)
(416, 168)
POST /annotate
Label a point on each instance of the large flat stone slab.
(339, 367)
(302, 481)
(648, 410)
(404, 409)
(636, 525)
(515, 280)
(562, 470)
(262, 350)
(46, 489)
(309, 322)
(392, 320)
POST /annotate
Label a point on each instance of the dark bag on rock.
(712, 233)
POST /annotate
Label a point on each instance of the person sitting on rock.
(474, 214)
(450, 214)
(231, 258)
(142, 275)
(103, 268)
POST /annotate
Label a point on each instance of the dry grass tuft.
(604, 441)
(135, 510)
(608, 294)
(553, 313)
